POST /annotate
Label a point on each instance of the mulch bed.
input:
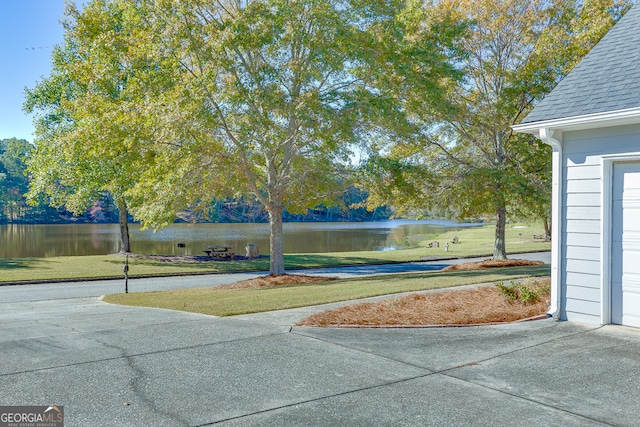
(474, 306)
(492, 263)
(276, 280)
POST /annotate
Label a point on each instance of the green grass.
(231, 302)
(478, 241)
(474, 241)
(77, 267)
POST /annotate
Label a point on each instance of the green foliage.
(529, 292)
(512, 53)
(82, 135)
(13, 181)
(169, 105)
(348, 207)
(13, 153)
(88, 137)
(259, 98)
(510, 291)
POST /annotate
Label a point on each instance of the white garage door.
(625, 245)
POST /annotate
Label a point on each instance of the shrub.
(529, 292)
(510, 291)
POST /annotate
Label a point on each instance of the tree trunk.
(276, 249)
(125, 244)
(547, 228)
(499, 248)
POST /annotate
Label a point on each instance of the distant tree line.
(350, 207)
(14, 184)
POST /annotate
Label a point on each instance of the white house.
(592, 121)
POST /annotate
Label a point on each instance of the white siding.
(585, 252)
(584, 294)
(581, 239)
(583, 186)
(583, 226)
(582, 172)
(578, 279)
(583, 212)
(583, 200)
(586, 266)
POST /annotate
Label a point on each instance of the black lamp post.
(125, 269)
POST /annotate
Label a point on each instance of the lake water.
(20, 240)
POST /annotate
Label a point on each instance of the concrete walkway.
(125, 366)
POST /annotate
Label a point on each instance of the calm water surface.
(18, 240)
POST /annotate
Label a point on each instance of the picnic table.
(219, 251)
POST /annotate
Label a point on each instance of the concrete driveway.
(125, 366)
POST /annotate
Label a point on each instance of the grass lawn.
(231, 302)
(474, 241)
(95, 266)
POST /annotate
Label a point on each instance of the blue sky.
(28, 31)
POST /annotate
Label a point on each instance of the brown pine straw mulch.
(492, 263)
(276, 280)
(481, 305)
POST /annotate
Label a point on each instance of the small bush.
(529, 292)
(510, 291)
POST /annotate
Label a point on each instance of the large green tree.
(270, 95)
(168, 104)
(264, 102)
(463, 158)
(86, 142)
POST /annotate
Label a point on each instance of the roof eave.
(627, 116)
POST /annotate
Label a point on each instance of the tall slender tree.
(84, 135)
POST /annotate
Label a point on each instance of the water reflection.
(18, 240)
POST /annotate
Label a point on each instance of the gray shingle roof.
(607, 79)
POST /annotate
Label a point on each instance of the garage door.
(625, 245)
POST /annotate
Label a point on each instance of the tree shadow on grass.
(507, 272)
(203, 263)
(20, 263)
(319, 260)
(292, 261)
